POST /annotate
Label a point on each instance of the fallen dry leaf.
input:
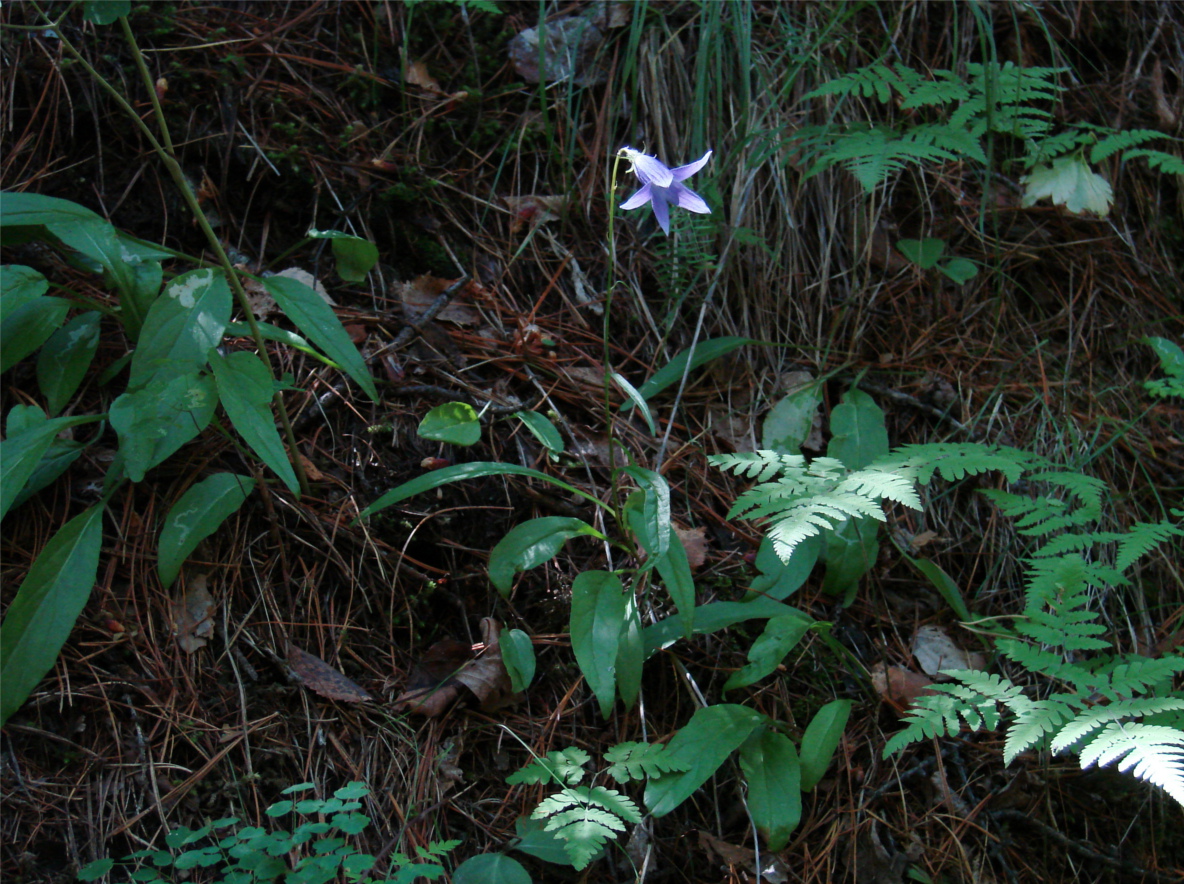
(321, 678)
(773, 869)
(421, 293)
(534, 209)
(448, 665)
(899, 687)
(416, 73)
(192, 615)
(695, 544)
(936, 651)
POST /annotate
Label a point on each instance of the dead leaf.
(436, 681)
(321, 678)
(534, 209)
(734, 429)
(936, 651)
(192, 615)
(311, 471)
(695, 543)
(309, 280)
(419, 294)
(262, 304)
(416, 73)
(773, 869)
(899, 687)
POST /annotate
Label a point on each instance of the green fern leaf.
(1091, 719)
(1158, 160)
(1152, 753)
(635, 761)
(955, 461)
(1129, 676)
(1124, 140)
(1141, 539)
(566, 766)
(1035, 720)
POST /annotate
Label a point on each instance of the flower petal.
(689, 200)
(682, 173)
(650, 170)
(661, 211)
(638, 199)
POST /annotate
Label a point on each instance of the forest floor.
(419, 128)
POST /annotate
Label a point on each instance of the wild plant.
(186, 357)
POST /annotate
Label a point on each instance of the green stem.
(166, 154)
(611, 279)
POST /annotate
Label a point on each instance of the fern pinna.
(1106, 706)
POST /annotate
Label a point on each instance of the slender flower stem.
(611, 279)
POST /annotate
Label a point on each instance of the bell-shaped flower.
(663, 187)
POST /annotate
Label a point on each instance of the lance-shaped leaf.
(181, 326)
(598, 609)
(533, 543)
(197, 515)
(770, 765)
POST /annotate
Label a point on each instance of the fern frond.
(1165, 163)
(946, 87)
(1091, 719)
(872, 482)
(958, 141)
(1055, 609)
(635, 761)
(1151, 752)
(955, 461)
(760, 465)
(874, 81)
(1035, 720)
(821, 512)
(1141, 539)
(584, 818)
(1043, 514)
(1124, 140)
(1129, 676)
(566, 766)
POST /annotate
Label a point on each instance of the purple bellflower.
(663, 186)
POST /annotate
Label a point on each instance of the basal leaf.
(535, 840)
(1071, 183)
(712, 734)
(490, 868)
(65, 358)
(453, 422)
(48, 602)
(778, 579)
(245, 389)
(713, 617)
(181, 327)
(851, 551)
(821, 739)
(769, 762)
(788, 424)
(20, 284)
(598, 609)
(320, 324)
(636, 399)
(518, 657)
(355, 256)
(922, 252)
(30, 436)
(654, 509)
(780, 636)
(542, 429)
(195, 516)
(689, 360)
(461, 472)
(858, 432)
(531, 544)
(630, 654)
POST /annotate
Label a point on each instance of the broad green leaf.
(635, 398)
(788, 423)
(195, 516)
(181, 327)
(851, 551)
(153, 423)
(55, 461)
(320, 324)
(713, 617)
(65, 358)
(944, 584)
(30, 436)
(780, 636)
(712, 734)
(1068, 182)
(246, 390)
(960, 270)
(654, 510)
(922, 252)
(858, 432)
(821, 739)
(459, 473)
(96, 870)
(675, 571)
(531, 544)
(48, 602)
(598, 610)
(778, 579)
(105, 12)
(490, 868)
(29, 326)
(689, 360)
(453, 422)
(769, 762)
(543, 430)
(518, 657)
(20, 284)
(630, 654)
(535, 840)
(355, 256)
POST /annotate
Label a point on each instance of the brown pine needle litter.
(409, 125)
